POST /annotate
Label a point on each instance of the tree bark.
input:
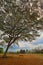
(6, 51)
(9, 44)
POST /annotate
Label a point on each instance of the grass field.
(22, 59)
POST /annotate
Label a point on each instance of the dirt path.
(30, 59)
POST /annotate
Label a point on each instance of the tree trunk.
(6, 51)
(9, 44)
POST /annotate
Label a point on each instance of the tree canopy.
(20, 19)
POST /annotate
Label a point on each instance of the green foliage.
(1, 50)
(6, 39)
(17, 21)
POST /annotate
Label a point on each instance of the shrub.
(1, 50)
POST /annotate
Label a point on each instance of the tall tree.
(19, 20)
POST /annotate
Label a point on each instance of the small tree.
(22, 51)
(19, 20)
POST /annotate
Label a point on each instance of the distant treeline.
(24, 51)
(38, 51)
(27, 51)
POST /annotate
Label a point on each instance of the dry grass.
(26, 59)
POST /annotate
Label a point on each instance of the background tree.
(22, 51)
(19, 20)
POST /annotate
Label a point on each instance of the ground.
(22, 59)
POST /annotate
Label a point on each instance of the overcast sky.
(38, 43)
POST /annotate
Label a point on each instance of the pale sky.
(38, 43)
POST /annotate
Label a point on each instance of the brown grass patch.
(22, 59)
